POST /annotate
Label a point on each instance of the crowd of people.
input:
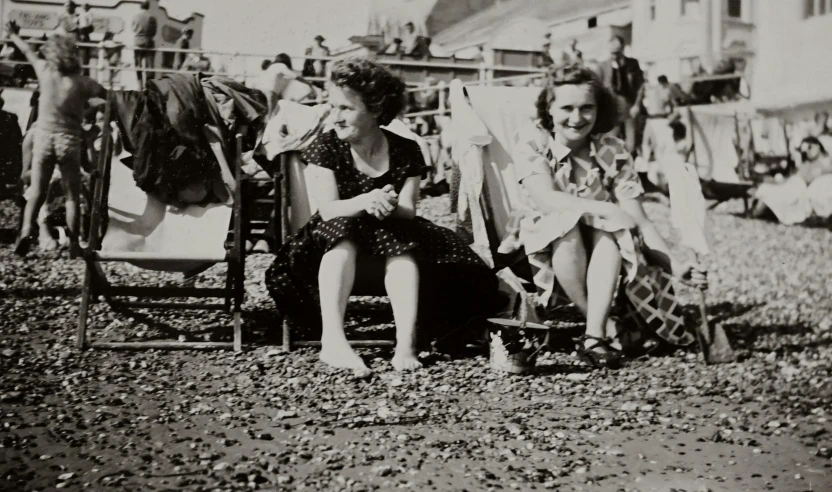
(367, 186)
(584, 230)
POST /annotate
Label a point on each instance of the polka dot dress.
(455, 284)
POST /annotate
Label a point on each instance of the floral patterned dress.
(611, 177)
(456, 286)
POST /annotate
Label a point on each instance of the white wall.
(793, 66)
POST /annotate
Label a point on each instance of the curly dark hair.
(573, 74)
(381, 91)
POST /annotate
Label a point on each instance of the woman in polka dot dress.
(366, 181)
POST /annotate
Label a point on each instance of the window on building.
(690, 8)
(735, 8)
(592, 22)
(652, 9)
(812, 8)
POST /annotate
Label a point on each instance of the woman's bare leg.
(602, 276)
(401, 279)
(570, 264)
(335, 279)
(41, 174)
(71, 176)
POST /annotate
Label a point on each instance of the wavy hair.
(380, 90)
(59, 51)
(574, 74)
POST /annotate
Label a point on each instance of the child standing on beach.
(57, 133)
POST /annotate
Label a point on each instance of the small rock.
(382, 470)
(286, 414)
(578, 376)
(629, 407)
(773, 424)
(221, 466)
(11, 396)
(66, 476)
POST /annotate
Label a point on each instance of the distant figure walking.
(144, 34)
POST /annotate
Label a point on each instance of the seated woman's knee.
(572, 240)
(344, 249)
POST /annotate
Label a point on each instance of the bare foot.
(405, 360)
(46, 241)
(339, 354)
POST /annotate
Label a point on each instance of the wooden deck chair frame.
(360, 289)
(96, 283)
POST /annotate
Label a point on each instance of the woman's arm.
(325, 190)
(658, 251)
(548, 200)
(408, 199)
(13, 29)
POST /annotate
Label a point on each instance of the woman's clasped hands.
(381, 203)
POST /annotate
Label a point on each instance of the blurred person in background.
(806, 193)
(68, 20)
(623, 76)
(409, 38)
(183, 43)
(572, 55)
(421, 49)
(395, 48)
(144, 34)
(85, 30)
(11, 142)
(197, 62)
(109, 59)
(319, 50)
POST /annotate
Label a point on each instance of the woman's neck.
(370, 145)
(573, 145)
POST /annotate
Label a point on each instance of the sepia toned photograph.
(425, 245)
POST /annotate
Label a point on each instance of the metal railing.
(98, 51)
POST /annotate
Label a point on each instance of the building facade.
(679, 38)
(38, 17)
(511, 27)
(793, 72)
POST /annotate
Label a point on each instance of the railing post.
(441, 87)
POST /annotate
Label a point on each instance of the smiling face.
(574, 112)
(351, 118)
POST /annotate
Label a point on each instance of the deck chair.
(297, 205)
(769, 145)
(716, 144)
(141, 230)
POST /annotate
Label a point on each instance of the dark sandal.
(610, 358)
(24, 244)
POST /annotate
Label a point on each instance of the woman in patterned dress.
(587, 222)
(366, 185)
